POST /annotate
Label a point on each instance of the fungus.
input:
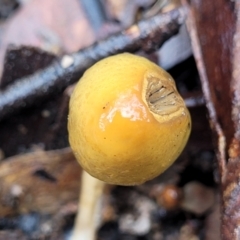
(127, 122)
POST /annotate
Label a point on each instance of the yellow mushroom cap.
(127, 122)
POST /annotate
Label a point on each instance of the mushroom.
(127, 122)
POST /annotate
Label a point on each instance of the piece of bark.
(231, 187)
(147, 35)
(215, 32)
(39, 181)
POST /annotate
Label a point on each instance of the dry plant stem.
(88, 209)
(148, 35)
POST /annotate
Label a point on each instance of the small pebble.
(197, 198)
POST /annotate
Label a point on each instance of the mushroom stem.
(88, 208)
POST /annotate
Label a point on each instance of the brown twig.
(147, 35)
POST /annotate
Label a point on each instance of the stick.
(147, 35)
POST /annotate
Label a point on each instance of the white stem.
(88, 210)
